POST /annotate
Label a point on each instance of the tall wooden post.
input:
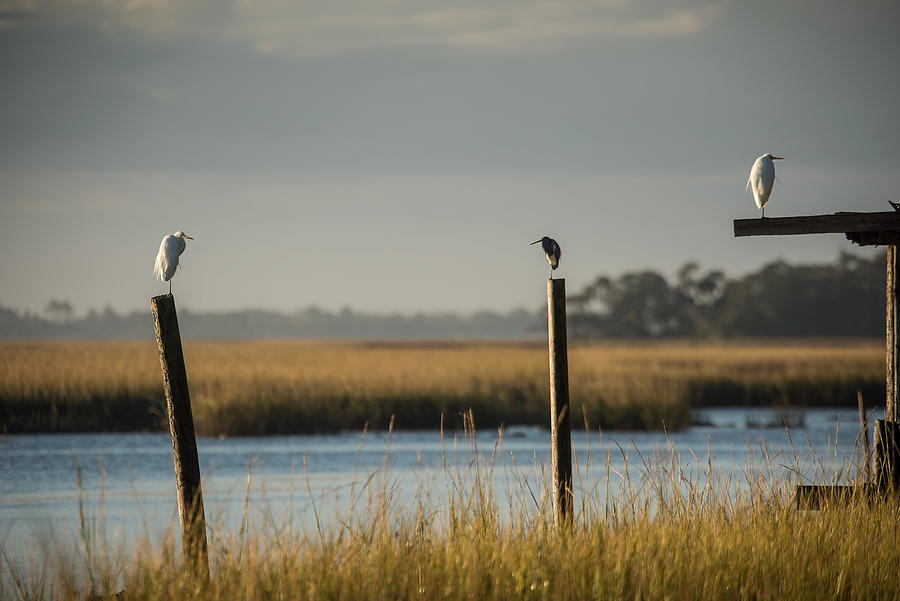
(181, 427)
(887, 431)
(560, 429)
(892, 351)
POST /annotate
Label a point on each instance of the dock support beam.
(887, 430)
(887, 454)
(184, 442)
(560, 428)
(892, 350)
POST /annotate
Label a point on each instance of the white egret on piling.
(761, 180)
(170, 249)
(551, 249)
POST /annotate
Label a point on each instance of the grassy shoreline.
(268, 387)
(679, 531)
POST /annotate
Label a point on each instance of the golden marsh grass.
(278, 387)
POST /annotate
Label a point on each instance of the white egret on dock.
(762, 178)
(551, 249)
(170, 249)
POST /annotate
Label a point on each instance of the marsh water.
(62, 493)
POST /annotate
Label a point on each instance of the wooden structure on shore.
(865, 229)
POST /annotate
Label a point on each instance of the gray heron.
(551, 249)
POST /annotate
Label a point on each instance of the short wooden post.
(560, 429)
(181, 427)
(887, 454)
(864, 432)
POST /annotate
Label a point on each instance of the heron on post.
(170, 249)
(762, 179)
(551, 250)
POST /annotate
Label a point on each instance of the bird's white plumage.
(762, 179)
(170, 250)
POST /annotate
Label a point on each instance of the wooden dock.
(864, 229)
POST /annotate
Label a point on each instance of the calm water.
(128, 481)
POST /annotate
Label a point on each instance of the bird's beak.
(535, 242)
(188, 237)
(777, 158)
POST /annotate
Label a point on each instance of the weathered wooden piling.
(887, 431)
(560, 428)
(181, 427)
(887, 454)
(892, 339)
(864, 434)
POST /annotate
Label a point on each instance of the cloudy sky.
(401, 154)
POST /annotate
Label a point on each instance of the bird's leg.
(764, 212)
(170, 287)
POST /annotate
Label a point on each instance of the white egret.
(551, 249)
(170, 249)
(761, 180)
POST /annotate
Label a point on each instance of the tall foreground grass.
(281, 387)
(664, 529)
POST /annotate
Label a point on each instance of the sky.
(400, 155)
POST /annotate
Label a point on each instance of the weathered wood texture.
(887, 454)
(887, 431)
(560, 428)
(892, 352)
(181, 427)
(885, 224)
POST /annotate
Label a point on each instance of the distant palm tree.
(59, 311)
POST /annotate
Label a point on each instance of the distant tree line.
(846, 298)
(59, 322)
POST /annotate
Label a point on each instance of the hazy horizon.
(400, 157)
(80, 312)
